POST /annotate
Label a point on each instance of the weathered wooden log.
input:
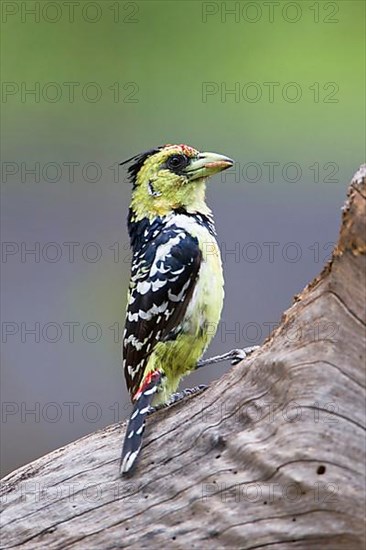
(271, 455)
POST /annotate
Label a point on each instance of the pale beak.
(206, 165)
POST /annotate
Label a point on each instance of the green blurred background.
(152, 64)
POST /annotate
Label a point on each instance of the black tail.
(136, 425)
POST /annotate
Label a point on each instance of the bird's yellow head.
(171, 177)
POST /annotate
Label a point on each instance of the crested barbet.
(176, 289)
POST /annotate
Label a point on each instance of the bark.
(271, 455)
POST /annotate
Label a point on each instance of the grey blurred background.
(281, 91)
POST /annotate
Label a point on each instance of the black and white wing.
(163, 275)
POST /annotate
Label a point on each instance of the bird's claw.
(238, 355)
(175, 397)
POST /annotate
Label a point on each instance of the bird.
(176, 289)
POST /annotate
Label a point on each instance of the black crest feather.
(138, 161)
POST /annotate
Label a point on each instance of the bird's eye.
(177, 162)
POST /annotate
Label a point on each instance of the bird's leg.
(175, 397)
(235, 356)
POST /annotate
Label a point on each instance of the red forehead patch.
(186, 149)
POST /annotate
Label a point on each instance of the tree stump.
(271, 455)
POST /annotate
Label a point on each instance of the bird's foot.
(234, 356)
(175, 397)
(240, 354)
